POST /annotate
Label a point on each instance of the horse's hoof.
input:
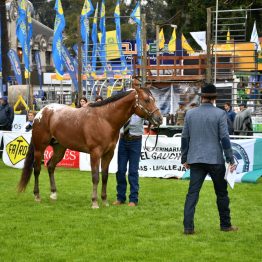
(53, 196)
(37, 198)
(95, 205)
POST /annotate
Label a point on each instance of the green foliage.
(69, 230)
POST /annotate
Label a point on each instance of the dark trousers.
(198, 173)
(128, 153)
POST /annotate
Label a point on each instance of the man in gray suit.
(204, 139)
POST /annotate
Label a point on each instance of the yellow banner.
(112, 51)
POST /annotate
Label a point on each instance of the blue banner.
(118, 36)
(94, 40)
(39, 68)
(136, 16)
(22, 30)
(68, 61)
(87, 11)
(58, 39)
(102, 26)
(14, 60)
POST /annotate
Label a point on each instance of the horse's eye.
(147, 100)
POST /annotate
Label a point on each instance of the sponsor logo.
(241, 158)
(17, 149)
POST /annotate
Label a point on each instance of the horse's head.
(145, 106)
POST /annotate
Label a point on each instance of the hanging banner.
(70, 66)
(14, 60)
(39, 68)
(16, 145)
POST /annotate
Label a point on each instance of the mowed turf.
(69, 230)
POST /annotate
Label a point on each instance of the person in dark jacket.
(230, 117)
(6, 114)
(204, 140)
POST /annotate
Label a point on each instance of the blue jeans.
(198, 173)
(128, 152)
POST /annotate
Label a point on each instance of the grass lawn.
(69, 230)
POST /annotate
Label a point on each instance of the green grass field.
(69, 230)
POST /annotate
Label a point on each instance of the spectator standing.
(29, 124)
(243, 121)
(99, 98)
(83, 102)
(6, 114)
(204, 138)
(230, 117)
(129, 151)
(180, 114)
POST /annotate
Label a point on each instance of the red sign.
(70, 159)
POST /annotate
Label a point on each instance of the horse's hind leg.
(37, 169)
(57, 156)
(105, 161)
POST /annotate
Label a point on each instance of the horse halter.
(138, 104)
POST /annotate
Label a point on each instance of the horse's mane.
(110, 99)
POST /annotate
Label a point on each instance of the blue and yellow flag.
(136, 16)
(22, 32)
(87, 11)
(172, 42)
(102, 26)
(58, 39)
(118, 36)
(94, 40)
(186, 45)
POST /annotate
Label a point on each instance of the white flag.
(200, 38)
(254, 37)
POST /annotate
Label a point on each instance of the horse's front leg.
(106, 159)
(95, 160)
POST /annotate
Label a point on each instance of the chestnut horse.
(94, 130)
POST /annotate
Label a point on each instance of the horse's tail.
(27, 169)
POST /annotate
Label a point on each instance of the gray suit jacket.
(205, 136)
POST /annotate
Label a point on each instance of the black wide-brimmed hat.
(208, 90)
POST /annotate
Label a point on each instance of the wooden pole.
(208, 37)
(144, 49)
(79, 44)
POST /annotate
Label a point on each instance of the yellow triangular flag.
(186, 45)
(228, 36)
(161, 39)
(172, 42)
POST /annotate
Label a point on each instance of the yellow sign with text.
(17, 149)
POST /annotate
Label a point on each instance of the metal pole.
(215, 73)
(208, 37)
(144, 51)
(80, 89)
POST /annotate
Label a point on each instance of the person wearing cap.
(204, 139)
(243, 121)
(180, 114)
(6, 114)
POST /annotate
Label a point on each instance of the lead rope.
(152, 149)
